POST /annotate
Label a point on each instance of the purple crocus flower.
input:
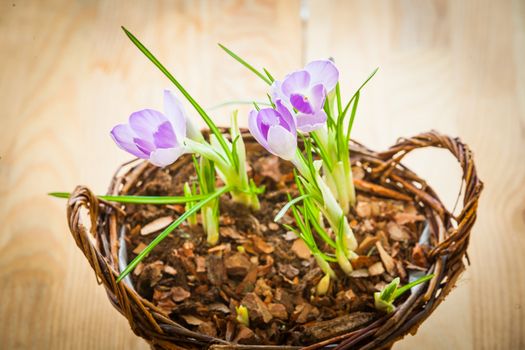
(305, 90)
(275, 130)
(153, 135)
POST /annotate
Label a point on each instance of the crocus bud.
(153, 135)
(275, 130)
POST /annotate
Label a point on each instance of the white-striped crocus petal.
(275, 130)
(323, 72)
(305, 91)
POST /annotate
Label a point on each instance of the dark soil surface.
(260, 265)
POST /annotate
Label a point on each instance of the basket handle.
(80, 198)
(473, 185)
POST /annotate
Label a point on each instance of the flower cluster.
(299, 102)
(303, 92)
(301, 124)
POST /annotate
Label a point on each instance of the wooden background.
(68, 74)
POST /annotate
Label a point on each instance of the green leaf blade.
(139, 199)
(246, 64)
(168, 230)
(288, 205)
(209, 122)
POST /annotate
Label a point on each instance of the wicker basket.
(101, 243)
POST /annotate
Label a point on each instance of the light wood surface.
(68, 74)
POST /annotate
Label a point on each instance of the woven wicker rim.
(100, 246)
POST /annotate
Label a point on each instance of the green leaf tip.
(205, 117)
(246, 64)
(59, 194)
(287, 206)
(384, 300)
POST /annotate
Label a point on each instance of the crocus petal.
(144, 146)
(323, 72)
(268, 116)
(145, 122)
(123, 137)
(162, 157)
(317, 97)
(253, 126)
(276, 93)
(165, 137)
(287, 119)
(295, 82)
(301, 103)
(175, 113)
(281, 142)
(311, 122)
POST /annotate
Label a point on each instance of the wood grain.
(453, 66)
(69, 74)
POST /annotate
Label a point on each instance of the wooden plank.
(454, 66)
(68, 75)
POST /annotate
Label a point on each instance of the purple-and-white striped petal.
(311, 122)
(123, 136)
(281, 142)
(287, 120)
(275, 130)
(305, 92)
(300, 102)
(145, 122)
(296, 82)
(162, 157)
(165, 136)
(153, 135)
(175, 113)
(323, 72)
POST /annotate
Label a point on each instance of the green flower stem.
(346, 242)
(336, 167)
(325, 266)
(210, 224)
(192, 219)
(248, 198)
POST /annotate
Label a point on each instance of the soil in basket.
(259, 264)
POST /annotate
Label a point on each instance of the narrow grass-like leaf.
(358, 90)
(407, 287)
(287, 206)
(270, 101)
(352, 117)
(194, 103)
(338, 98)
(268, 75)
(246, 64)
(169, 229)
(317, 226)
(139, 199)
(235, 154)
